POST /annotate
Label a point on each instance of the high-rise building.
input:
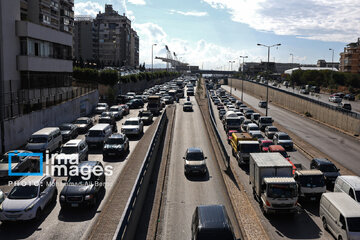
(114, 42)
(350, 58)
(35, 53)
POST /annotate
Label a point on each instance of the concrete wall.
(332, 117)
(18, 130)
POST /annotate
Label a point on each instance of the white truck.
(311, 184)
(232, 121)
(274, 187)
(154, 104)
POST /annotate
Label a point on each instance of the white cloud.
(190, 13)
(88, 8)
(137, 2)
(335, 20)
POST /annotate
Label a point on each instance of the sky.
(210, 33)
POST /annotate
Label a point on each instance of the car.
(133, 126)
(20, 164)
(245, 123)
(76, 147)
(248, 113)
(222, 112)
(101, 107)
(252, 127)
(28, 199)
(304, 91)
(340, 94)
(109, 120)
(116, 145)
(187, 107)
(107, 114)
(350, 97)
(97, 135)
(45, 139)
(331, 172)
(216, 101)
(68, 131)
(125, 108)
(194, 161)
(117, 112)
(146, 117)
(220, 106)
(335, 99)
(211, 222)
(346, 106)
(257, 135)
(84, 124)
(264, 145)
(80, 191)
(283, 139)
(270, 131)
(262, 104)
(135, 104)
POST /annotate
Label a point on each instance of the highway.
(341, 147)
(184, 194)
(306, 224)
(71, 224)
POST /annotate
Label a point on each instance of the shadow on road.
(198, 178)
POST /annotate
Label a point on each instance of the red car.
(220, 106)
(229, 135)
(281, 150)
(265, 144)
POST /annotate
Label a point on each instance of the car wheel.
(38, 214)
(340, 238)
(324, 223)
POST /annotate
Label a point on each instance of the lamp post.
(332, 63)
(231, 62)
(267, 69)
(152, 57)
(242, 80)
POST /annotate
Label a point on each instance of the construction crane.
(171, 61)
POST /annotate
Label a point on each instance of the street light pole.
(332, 63)
(152, 57)
(242, 80)
(231, 62)
(267, 69)
(292, 58)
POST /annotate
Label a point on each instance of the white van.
(340, 215)
(45, 139)
(349, 185)
(98, 134)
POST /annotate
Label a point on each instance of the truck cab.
(242, 145)
(232, 121)
(311, 184)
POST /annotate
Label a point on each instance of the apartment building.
(350, 58)
(83, 38)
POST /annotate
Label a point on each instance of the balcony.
(42, 64)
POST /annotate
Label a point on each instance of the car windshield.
(187, 104)
(96, 133)
(78, 180)
(131, 123)
(284, 137)
(23, 192)
(249, 148)
(353, 224)
(105, 120)
(312, 181)
(328, 168)
(151, 105)
(282, 190)
(101, 105)
(257, 135)
(146, 114)
(69, 150)
(357, 193)
(267, 144)
(115, 141)
(81, 122)
(233, 121)
(14, 159)
(266, 120)
(272, 129)
(114, 109)
(215, 235)
(65, 127)
(195, 156)
(38, 140)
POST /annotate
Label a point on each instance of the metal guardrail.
(123, 225)
(218, 137)
(332, 107)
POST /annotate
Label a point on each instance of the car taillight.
(267, 203)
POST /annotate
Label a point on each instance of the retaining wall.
(332, 117)
(18, 130)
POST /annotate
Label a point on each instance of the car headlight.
(1, 208)
(30, 207)
(88, 197)
(62, 197)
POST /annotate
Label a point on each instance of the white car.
(28, 199)
(133, 126)
(101, 107)
(117, 112)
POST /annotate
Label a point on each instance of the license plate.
(313, 198)
(74, 205)
(112, 154)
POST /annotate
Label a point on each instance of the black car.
(211, 222)
(350, 97)
(116, 145)
(146, 117)
(80, 191)
(68, 131)
(262, 104)
(20, 164)
(331, 172)
(84, 124)
(135, 104)
(109, 120)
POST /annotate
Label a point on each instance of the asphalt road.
(341, 147)
(58, 224)
(184, 194)
(306, 224)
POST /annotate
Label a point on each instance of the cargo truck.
(274, 187)
(232, 121)
(242, 145)
(311, 184)
(154, 104)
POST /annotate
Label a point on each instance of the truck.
(311, 184)
(154, 104)
(274, 187)
(242, 145)
(232, 121)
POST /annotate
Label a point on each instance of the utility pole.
(231, 62)
(267, 69)
(332, 63)
(152, 57)
(242, 80)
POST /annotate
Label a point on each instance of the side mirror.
(338, 170)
